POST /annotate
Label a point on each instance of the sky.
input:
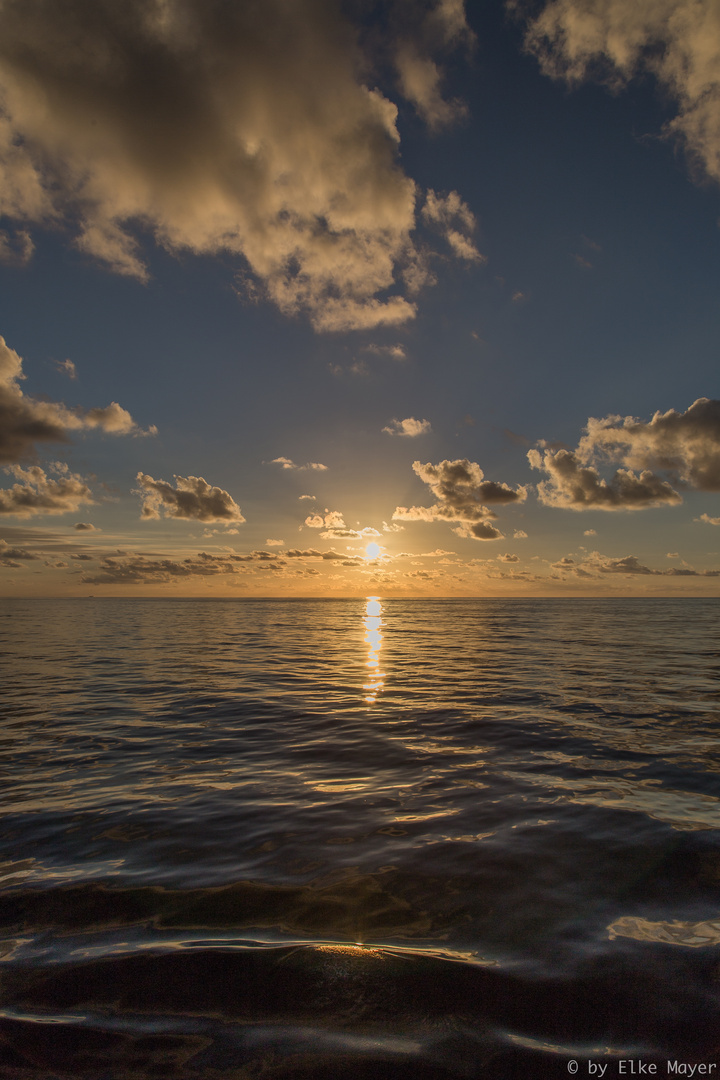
(403, 298)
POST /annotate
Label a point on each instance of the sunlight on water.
(369, 837)
(373, 639)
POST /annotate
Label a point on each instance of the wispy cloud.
(288, 463)
(454, 219)
(677, 41)
(66, 367)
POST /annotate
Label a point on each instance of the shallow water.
(358, 839)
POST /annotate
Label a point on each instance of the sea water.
(359, 838)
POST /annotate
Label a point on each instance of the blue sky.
(418, 244)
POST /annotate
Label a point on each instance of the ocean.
(319, 839)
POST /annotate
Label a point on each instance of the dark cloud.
(141, 570)
(9, 555)
(192, 499)
(38, 493)
(686, 445)
(313, 553)
(573, 486)
(244, 127)
(24, 422)
(461, 493)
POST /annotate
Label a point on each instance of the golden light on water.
(373, 639)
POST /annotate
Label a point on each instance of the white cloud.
(192, 499)
(520, 534)
(274, 543)
(408, 427)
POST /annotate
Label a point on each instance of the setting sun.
(372, 551)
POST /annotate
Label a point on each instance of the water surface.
(431, 839)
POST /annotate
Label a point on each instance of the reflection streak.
(373, 639)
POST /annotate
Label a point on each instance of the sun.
(372, 551)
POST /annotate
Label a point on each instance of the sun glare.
(372, 551)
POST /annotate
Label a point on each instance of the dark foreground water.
(328, 839)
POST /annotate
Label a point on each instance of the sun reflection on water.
(373, 639)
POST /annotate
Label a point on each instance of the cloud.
(306, 496)
(590, 532)
(16, 249)
(678, 41)
(395, 352)
(461, 492)
(192, 499)
(313, 553)
(25, 421)
(708, 520)
(274, 543)
(520, 534)
(508, 558)
(335, 528)
(84, 526)
(139, 570)
(66, 367)
(38, 493)
(245, 128)
(288, 463)
(408, 427)
(595, 564)
(684, 444)
(420, 77)
(454, 219)
(10, 555)
(573, 486)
